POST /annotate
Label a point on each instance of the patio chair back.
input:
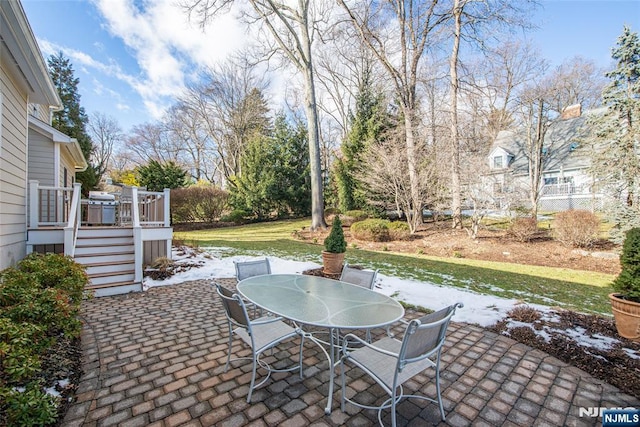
(355, 276)
(245, 269)
(234, 307)
(425, 336)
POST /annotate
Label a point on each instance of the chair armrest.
(266, 320)
(388, 327)
(345, 345)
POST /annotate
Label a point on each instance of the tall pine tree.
(616, 136)
(368, 123)
(72, 119)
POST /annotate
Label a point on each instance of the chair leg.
(438, 390)
(226, 367)
(301, 345)
(394, 400)
(344, 387)
(253, 377)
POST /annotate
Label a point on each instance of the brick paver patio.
(157, 359)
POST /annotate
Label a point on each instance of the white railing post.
(167, 208)
(137, 235)
(135, 207)
(34, 205)
(71, 229)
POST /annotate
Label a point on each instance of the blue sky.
(133, 56)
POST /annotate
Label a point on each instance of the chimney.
(571, 112)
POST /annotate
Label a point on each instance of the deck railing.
(564, 189)
(51, 207)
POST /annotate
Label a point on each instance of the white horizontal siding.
(41, 159)
(13, 172)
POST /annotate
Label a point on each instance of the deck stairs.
(108, 255)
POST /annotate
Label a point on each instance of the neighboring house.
(41, 209)
(565, 182)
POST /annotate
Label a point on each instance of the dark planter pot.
(627, 317)
(332, 262)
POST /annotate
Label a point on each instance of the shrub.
(335, 242)
(237, 216)
(56, 271)
(372, 230)
(39, 304)
(627, 283)
(523, 229)
(576, 228)
(201, 203)
(331, 211)
(399, 230)
(357, 215)
(29, 407)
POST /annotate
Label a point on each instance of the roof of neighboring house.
(562, 140)
(60, 138)
(22, 57)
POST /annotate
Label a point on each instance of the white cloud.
(166, 47)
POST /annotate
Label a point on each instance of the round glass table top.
(320, 301)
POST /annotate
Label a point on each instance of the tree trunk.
(456, 191)
(317, 202)
(414, 213)
(535, 165)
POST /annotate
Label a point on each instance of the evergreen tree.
(368, 123)
(157, 176)
(275, 173)
(615, 139)
(72, 119)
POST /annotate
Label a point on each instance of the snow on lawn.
(483, 310)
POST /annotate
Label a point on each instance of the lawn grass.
(557, 287)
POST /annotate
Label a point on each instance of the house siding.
(41, 156)
(40, 112)
(66, 162)
(13, 172)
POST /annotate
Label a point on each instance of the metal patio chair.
(259, 334)
(391, 362)
(245, 269)
(363, 278)
(355, 276)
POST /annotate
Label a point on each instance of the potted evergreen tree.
(335, 246)
(625, 301)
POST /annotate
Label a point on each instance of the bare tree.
(150, 141)
(535, 119)
(477, 24)
(386, 178)
(105, 132)
(497, 76)
(229, 108)
(292, 27)
(577, 81)
(186, 129)
(398, 33)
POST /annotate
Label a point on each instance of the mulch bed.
(613, 365)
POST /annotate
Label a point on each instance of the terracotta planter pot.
(332, 262)
(627, 317)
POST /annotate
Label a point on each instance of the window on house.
(497, 162)
(551, 181)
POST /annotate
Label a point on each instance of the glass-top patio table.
(321, 302)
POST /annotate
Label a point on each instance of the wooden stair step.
(111, 285)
